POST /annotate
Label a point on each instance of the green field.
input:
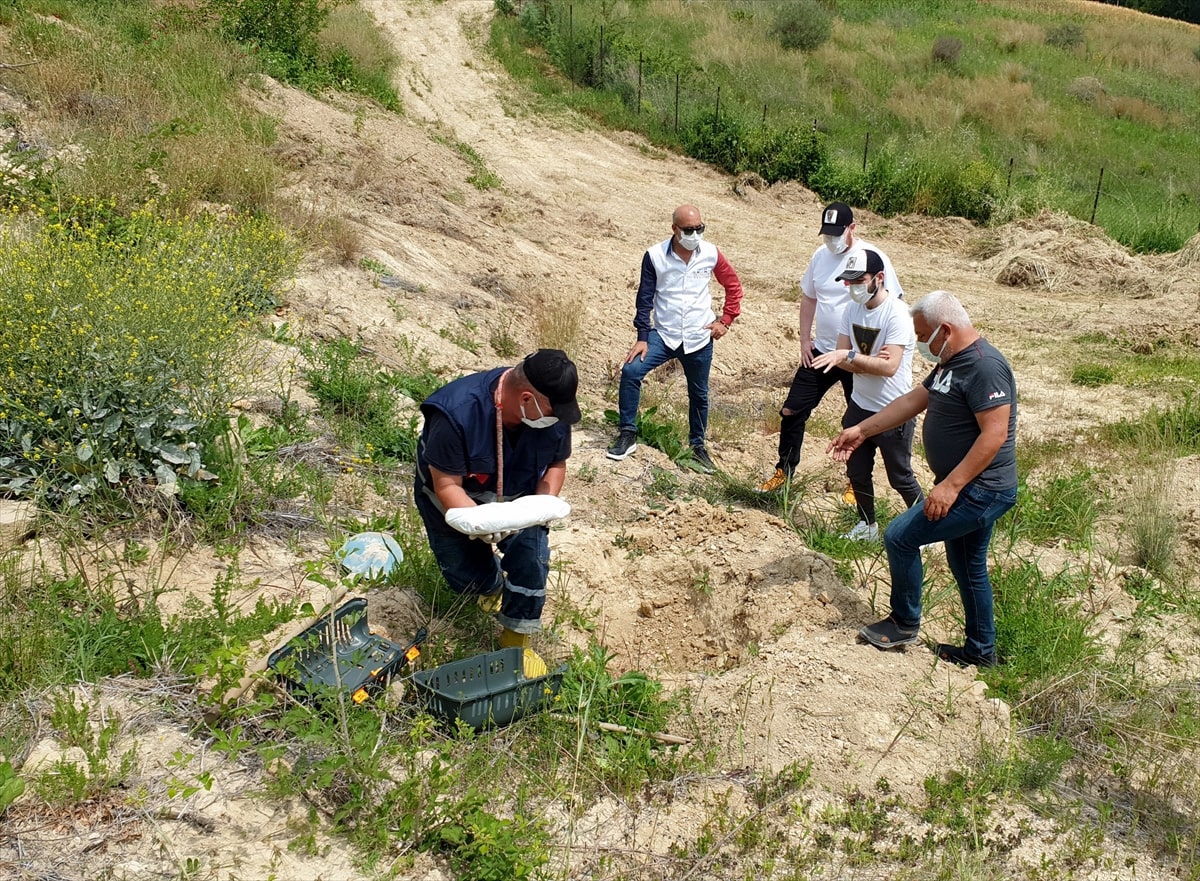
(989, 110)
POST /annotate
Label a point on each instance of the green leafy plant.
(359, 398)
(131, 352)
(11, 786)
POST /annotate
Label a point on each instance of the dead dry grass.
(1010, 108)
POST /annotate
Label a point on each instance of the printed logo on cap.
(831, 216)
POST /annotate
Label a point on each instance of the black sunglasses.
(689, 230)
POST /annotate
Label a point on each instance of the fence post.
(1008, 186)
(600, 55)
(1096, 201)
(571, 43)
(676, 101)
(866, 144)
(764, 122)
(717, 113)
(639, 104)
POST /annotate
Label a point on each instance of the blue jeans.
(966, 530)
(471, 567)
(696, 367)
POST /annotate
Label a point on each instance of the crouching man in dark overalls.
(500, 434)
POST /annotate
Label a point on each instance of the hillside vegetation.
(243, 239)
(984, 110)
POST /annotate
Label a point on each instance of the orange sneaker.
(774, 483)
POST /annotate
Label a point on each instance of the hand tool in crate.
(339, 650)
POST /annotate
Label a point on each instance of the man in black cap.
(825, 299)
(502, 433)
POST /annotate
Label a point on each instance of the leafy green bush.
(1067, 35)
(792, 153)
(716, 140)
(121, 344)
(288, 28)
(802, 25)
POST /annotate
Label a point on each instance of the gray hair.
(941, 307)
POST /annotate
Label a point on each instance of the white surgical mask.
(859, 293)
(543, 421)
(690, 241)
(837, 244)
(927, 353)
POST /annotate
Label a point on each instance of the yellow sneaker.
(848, 496)
(774, 483)
(490, 602)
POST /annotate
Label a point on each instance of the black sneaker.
(887, 634)
(959, 655)
(702, 460)
(625, 444)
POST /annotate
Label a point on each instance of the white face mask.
(543, 421)
(837, 244)
(690, 241)
(927, 353)
(859, 293)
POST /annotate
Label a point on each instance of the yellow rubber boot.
(490, 602)
(532, 662)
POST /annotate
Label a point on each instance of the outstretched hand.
(845, 443)
(829, 360)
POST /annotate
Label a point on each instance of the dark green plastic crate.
(489, 689)
(364, 662)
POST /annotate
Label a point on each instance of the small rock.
(646, 610)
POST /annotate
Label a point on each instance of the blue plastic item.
(372, 555)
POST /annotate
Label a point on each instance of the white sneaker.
(863, 531)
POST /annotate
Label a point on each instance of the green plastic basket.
(342, 651)
(489, 689)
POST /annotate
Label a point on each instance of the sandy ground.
(723, 599)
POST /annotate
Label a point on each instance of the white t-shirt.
(831, 296)
(869, 330)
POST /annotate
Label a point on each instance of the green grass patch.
(941, 136)
(1092, 375)
(1166, 429)
(359, 399)
(1061, 507)
(1041, 629)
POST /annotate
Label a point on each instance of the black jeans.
(808, 388)
(895, 445)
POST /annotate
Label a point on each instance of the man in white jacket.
(674, 318)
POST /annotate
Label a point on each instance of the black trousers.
(808, 388)
(895, 445)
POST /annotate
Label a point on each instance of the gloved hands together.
(495, 537)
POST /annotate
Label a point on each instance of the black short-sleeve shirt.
(976, 379)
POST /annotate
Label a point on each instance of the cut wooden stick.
(673, 739)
